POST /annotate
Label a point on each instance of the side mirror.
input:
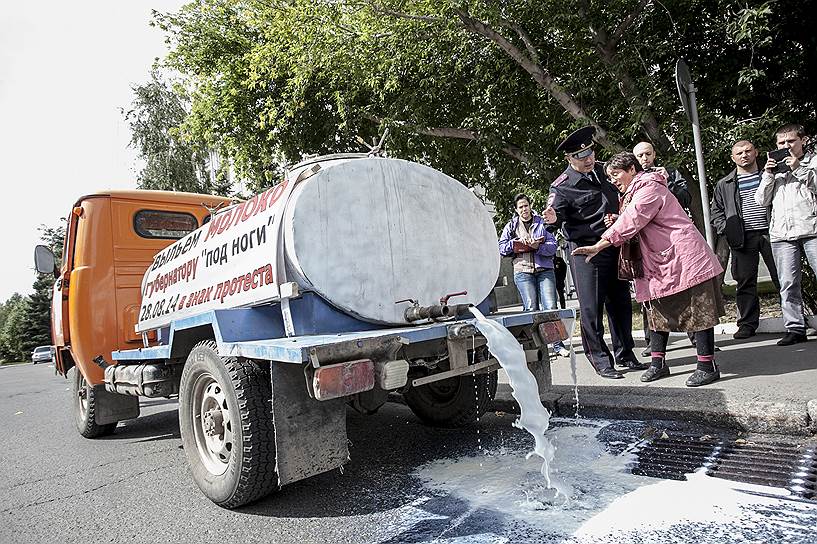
(44, 261)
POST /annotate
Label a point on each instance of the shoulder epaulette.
(559, 180)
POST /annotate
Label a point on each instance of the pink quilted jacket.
(675, 255)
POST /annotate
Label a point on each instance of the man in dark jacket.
(579, 202)
(737, 216)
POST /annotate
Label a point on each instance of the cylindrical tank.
(361, 232)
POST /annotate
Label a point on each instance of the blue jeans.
(537, 291)
(788, 258)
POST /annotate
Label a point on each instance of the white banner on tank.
(229, 262)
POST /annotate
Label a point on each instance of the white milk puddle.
(514, 486)
(587, 494)
(608, 504)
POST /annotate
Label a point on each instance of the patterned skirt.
(695, 309)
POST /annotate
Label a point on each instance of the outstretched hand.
(590, 251)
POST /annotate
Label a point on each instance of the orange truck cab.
(110, 241)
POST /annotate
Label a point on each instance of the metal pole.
(699, 156)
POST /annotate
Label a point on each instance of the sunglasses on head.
(583, 154)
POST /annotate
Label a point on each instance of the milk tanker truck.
(346, 283)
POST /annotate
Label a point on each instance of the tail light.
(343, 379)
(552, 331)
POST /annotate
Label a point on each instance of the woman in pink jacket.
(678, 279)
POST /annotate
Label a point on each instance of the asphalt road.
(134, 486)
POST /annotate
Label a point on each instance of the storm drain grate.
(775, 464)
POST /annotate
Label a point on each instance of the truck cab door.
(58, 327)
(60, 331)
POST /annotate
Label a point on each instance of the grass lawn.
(9, 363)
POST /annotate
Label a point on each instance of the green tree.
(11, 329)
(54, 238)
(172, 162)
(35, 320)
(484, 90)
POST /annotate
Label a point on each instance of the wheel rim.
(82, 395)
(443, 390)
(212, 426)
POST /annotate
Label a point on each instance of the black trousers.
(745, 262)
(599, 289)
(560, 269)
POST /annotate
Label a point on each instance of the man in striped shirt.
(736, 215)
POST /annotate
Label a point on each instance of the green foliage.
(54, 238)
(11, 328)
(25, 322)
(172, 162)
(460, 84)
(36, 316)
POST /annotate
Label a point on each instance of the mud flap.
(310, 435)
(113, 407)
(541, 371)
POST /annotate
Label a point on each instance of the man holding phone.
(789, 184)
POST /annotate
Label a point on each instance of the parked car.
(42, 354)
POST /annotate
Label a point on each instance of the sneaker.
(647, 352)
(743, 332)
(655, 373)
(563, 351)
(792, 338)
(702, 377)
(610, 372)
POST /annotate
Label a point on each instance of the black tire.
(226, 425)
(454, 402)
(84, 406)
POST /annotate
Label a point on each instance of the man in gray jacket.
(790, 186)
(745, 224)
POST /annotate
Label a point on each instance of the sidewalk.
(763, 388)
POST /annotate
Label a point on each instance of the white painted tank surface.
(362, 232)
(365, 233)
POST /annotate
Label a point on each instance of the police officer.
(579, 200)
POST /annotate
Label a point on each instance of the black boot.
(657, 370)
(703, 375)
(647, 352)
(610, 372)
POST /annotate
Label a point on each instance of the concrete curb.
(767, 325)
(695, 406)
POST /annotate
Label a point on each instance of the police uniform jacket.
(581, 201)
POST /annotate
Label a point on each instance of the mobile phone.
(779, 155)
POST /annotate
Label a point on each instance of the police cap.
(579, 141)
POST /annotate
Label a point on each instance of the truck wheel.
(226, 425)
(454, 402)
(85, 406)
